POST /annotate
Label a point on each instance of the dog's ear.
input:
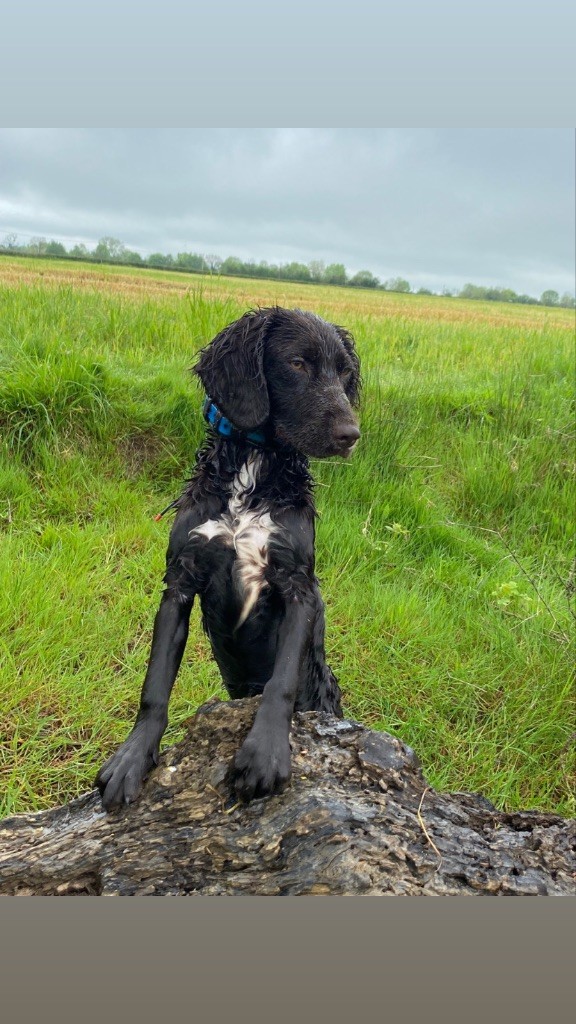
(231, 370)
(354, 382)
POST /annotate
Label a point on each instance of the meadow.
(445, 547)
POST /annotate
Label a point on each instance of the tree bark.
(357, 819)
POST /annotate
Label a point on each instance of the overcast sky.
(438, 207)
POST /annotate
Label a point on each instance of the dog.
(282, 386)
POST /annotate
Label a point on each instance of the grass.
(445, 547)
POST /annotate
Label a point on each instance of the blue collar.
(225, 428)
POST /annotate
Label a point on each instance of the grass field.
(445, 546)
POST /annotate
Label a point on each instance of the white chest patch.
(248, 531)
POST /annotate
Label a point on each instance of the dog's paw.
(261, 766)
(120, 778)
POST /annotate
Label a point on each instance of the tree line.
(112, 250)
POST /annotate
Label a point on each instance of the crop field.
(445, 546)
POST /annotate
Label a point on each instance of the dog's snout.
(347, 434)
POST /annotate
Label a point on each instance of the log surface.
(357, 819)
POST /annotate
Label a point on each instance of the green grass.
(445, 546)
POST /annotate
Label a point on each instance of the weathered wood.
(358, 818)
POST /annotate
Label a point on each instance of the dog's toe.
(260, 769)
(120, 778)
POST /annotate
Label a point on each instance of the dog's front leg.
(120, 778)
(262, 765)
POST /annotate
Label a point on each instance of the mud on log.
(358, 818)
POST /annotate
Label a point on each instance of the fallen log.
(358, 818)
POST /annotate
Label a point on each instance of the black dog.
(281, 386)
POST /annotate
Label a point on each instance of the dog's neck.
(222, 426)
(282, 478)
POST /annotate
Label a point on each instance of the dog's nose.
(347, 434)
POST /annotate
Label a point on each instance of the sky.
(437, 207)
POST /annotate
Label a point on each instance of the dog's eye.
(297, 363)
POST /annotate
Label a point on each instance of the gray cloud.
(438, 207)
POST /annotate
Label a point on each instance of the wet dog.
(281, 387)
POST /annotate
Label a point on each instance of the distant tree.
(317, 270)
(79, 252)
(550, 298)
(109, 249)
(232, 265)
(213, 263)
(335, 273)
(424, 291)
(472, 291)
(131, 256)
(499, 294)
(191, 261)
(567, 301)
(252, 269)
(10, 242)
(160, 260)
(262, 269)
(55, 248)
(397, 284)
(295, 272)
(364, 279)
(475, 291)
(508, 295)
(37, 246)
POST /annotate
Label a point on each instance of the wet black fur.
(294, 377)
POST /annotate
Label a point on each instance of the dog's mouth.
(351, 448)
(344, 450)
(340, 441)
(333, 447)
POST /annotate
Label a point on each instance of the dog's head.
(290, 373)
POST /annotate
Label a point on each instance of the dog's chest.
(247, 529)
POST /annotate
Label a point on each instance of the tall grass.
(445, 545)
